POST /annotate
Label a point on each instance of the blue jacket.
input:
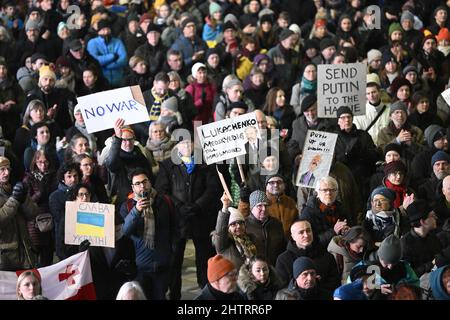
(350, 291)
(188, 48)
(439, 293)
(104, 53)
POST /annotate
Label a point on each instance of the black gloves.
(20, 192)
(84, 246)
(245, 193)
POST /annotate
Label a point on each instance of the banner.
(70, 279)
(89, 221)
(317, 157)
(341, 85)
(100, 110)
(226, 139)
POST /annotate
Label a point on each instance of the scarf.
(158, 148)
(245, 246)
(38, 175)
(308, 86)
(381, 220)
(329, 212)
(149, 221)
(400, 192)
(188, 163)
(6, 187)
(155, 109)
(91, 138)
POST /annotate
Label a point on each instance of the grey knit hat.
(406, 15)
(170, 104)
(32, 24)
(256, 197)
(398, 105)
(302, 264)
(390, 250)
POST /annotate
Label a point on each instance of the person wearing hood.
(110, 52)
(304, 244)
(258, 280)
(440, 283)
(382, 219)
(306, 281)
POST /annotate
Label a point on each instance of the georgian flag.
(70, 279)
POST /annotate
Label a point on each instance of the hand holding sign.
(118, 124)
(226, 202)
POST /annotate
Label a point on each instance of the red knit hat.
(218, 266)
(443, 34)
(320, 23)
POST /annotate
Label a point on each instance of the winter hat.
(307, 102)
(256, 197)
(171, 104)
(62, 62)
(103, 24)
(231, 18)
(394, 27)
(388, 57)
(320, 23)
(145, 16)
(4, 162)
(218, 266)
(32, 24)
(432, 133)
(75, 45)
(409, 68)
(444, 34)
(273, 176)
(440, 156)
(235, 215)
(295, 28)
(286, 33)
(373, 54)
(196, 67)
(326, 43)
(373, 78)
(153, 27)
(393, 147)
(417, 210)
(311, 44)
(398, 105)
(302, 264)
(343, 110)
(429, 36)
(390, 250)
(61, 26)
(46, 71)
(266, 18)
(186, 21)
(237, 104)
(394, 166)
(133, 17)
(264, 12)
(211, 51)
(77, 108)
(232, 83)
(385, 192)
(398, 83)
(36, 56)
(406, 15)
(213, 8)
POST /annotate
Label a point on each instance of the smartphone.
(144, 195)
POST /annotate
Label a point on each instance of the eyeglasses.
(279, 182)
(84, 194)
(327, 190)
(235, 223)
(138, 183)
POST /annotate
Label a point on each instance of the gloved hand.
(19, 192)
(84, 246)
(245, 193)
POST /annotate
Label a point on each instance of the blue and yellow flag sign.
(89, 221)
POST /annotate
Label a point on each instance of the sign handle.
(224, 184)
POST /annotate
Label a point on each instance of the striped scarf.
(149, 221)
(155, 109)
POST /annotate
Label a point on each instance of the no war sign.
(101, 109)
(341, 85)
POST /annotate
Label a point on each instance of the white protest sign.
(100, 110)
(89, 221)
(225, 139)
(446, 96)
(341, 85)
(317, 157)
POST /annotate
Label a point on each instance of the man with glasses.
(143, 212)
(267, 231)
(222, 281)
(325, 213)
(123, 156)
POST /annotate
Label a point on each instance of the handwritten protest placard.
(317, 157)
(89, 221)
(341, 85)
(101, 109)
(225, 139)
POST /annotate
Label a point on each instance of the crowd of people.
(377, 227)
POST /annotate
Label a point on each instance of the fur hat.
(46, 71)
(235, 215)
(4, 162)
(373, 54)
(171, 104)
(394, 166)
(440, 156)
(390, 250)
(392, 147)
(307, 102)
(417, 210)
(302, 264)
(398, 105)
(196, 67)
(256, 197)
(432, 133)
(218, 266)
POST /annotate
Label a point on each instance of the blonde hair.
(22, 277)
(134, 60)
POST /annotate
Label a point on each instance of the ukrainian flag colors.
(90, 224)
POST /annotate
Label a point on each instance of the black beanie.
(237, 104)
(103, 24)
(302, 264)
(393, 147)
(308, 101)
(343, 110)
(273, 176)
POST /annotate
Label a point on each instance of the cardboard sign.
(341, 85)
(100, 110)
(89, 221)
(226, 139)
(317, 157)
(446, 95)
